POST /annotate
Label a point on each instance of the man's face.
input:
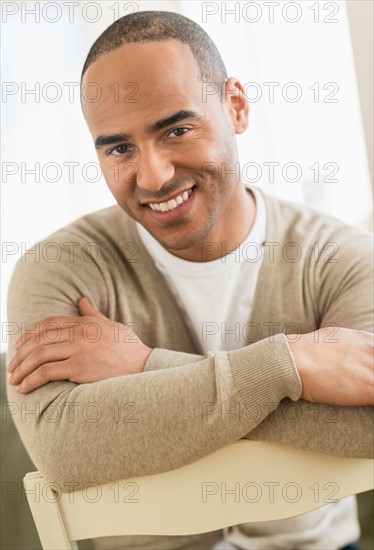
(165, 150)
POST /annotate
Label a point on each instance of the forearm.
(161, 359)
(151, 422)
(324, 428)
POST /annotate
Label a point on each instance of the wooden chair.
(243, 482)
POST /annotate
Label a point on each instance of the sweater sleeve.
(342, 282)
(141, 424)
(324, 428)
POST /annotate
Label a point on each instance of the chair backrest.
(243, 482)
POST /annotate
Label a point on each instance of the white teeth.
(172, 204)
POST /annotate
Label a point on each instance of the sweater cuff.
(265, 372)
(165, 359)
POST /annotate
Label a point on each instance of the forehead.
(140, 80)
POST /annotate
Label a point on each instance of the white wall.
(361, 16)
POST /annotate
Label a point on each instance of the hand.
(335, 369)
(80, 349)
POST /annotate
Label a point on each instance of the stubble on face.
(163, 88)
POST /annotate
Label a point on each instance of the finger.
(40, 329)
(48, 372)
(29, 346)
(86, 308)
(25, 336)
(37, 358)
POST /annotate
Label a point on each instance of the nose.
(154, 169)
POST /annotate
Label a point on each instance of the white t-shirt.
(217, 298)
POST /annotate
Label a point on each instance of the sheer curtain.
(305, 141)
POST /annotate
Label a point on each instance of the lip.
(180, 193)
(173, 215)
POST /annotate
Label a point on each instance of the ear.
(237, 105)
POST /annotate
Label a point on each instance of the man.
(160, 263)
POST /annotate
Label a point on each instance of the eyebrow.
(103, 140)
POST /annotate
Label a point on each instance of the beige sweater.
(330, 283)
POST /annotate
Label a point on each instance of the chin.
(194, 241)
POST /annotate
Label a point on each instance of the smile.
(171, 204)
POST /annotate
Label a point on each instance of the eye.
(119, 150)
(178, 132)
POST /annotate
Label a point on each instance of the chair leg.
(43, 502)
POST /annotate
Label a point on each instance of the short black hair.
(157, 26)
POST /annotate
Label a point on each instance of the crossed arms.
(181, 407)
